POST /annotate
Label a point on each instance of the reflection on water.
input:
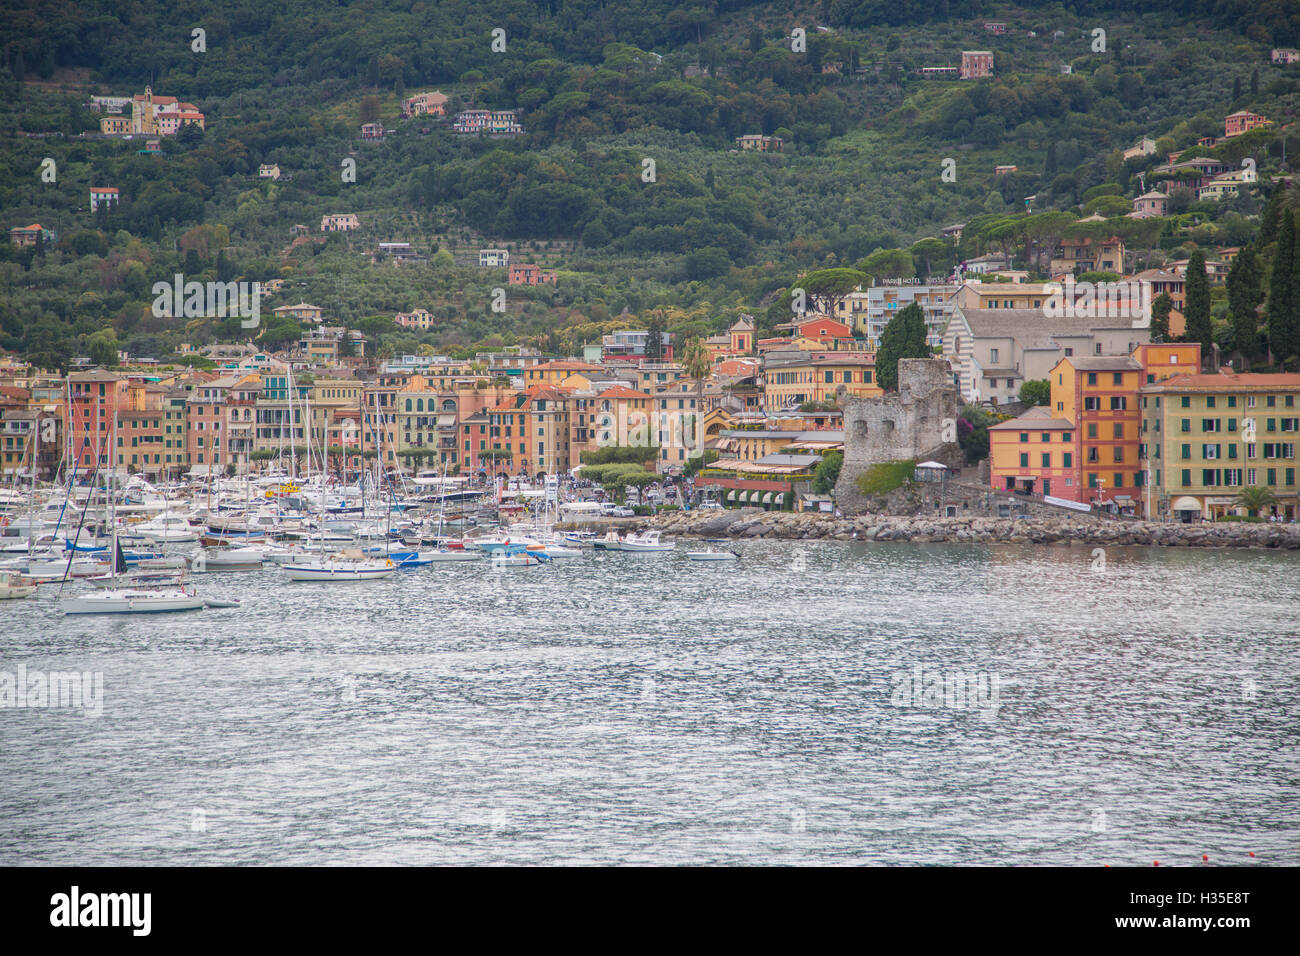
(812, 703)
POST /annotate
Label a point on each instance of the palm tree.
(698, 364)
(1255, 499)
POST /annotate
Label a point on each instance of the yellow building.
(1207, 437)
(818, 377)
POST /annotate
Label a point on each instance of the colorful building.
(1207, 437)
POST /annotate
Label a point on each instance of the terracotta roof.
(1228, 381)
(621, 391)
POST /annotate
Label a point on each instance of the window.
(1047, 459)
(1209, 452)
(1092, 378)
(1119, 480)
(1210, 477)
(1091, 403)
(1067, 437)
(1209, 401)
(1092, 429)
(1272, 401)
(1067, 460)
(1187, 452)
(1119, 430)
(1209, 424)
(1117, 454)
(1069, 352)
(1117, 378)
(1187, 401)
(1047, 436)
(1186, 425)
(993, 355)
(1024, 436)
(1118, 402)
(1092, 454)
(1092, 479)
(1232, 401)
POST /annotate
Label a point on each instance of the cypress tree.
(1198, 304)
(1271, 219)
(1160, 309)
(904, 337)
(1245, 293)
(1281, 292)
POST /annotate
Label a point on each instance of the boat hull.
(132, 602)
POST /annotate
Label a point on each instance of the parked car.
(710, 506)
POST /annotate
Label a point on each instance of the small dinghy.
(711, 555)
(217, 602)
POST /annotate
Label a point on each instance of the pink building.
(976, 64)
(525, 273)
(1242, 121)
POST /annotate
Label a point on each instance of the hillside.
(600, 90)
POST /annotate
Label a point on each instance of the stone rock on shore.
(1081, 529)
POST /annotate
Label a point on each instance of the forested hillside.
(626, 179)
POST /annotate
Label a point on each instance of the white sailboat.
(129, 600)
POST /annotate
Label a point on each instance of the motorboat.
(167, 529)
(712, 555)
(610, 542)
(230, 559)
(517, 556)
(451, 554)
(646, 541)
(554, 550)
(14, 585)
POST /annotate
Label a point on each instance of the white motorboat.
(647, 541)
(167, 529)
(133, 601)
(230, 559)
(517, 556)
(553, 550)
(56, 569)
(610, 542)
(448, 555)
(711, 555)
(13, 585)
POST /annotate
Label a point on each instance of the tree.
(654, 343)
(102, 347)
(904, 337)
(1245, 293)
(1160, 309)
(1271, 220)
(827, 472)
(1036, 391)
(1255, 499)
(698, 364)
(1198, 304)
(1282, 294)
(827, 287)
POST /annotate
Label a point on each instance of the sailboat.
(129, 600)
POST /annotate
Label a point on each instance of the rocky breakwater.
(755, 523)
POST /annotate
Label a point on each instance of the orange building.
(140, 429)
(95, 398)
(1034, 454)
